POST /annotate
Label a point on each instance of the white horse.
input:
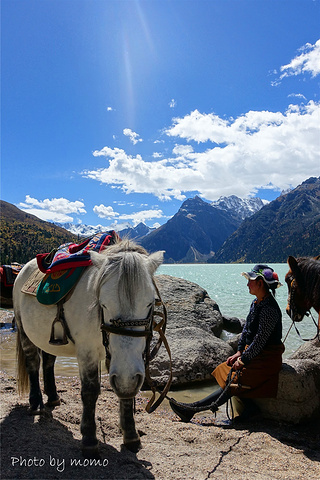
(117, 290)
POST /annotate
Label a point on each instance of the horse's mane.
(124, 260)
(309, 278)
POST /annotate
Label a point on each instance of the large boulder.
(233, 324)
(194, 325)
(298, 398)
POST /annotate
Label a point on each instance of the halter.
(120, 327)
(293, 310)
(292, 307)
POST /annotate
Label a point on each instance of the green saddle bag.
(55, 286)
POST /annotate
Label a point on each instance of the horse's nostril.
(139, 378)
(113, 383)
(128, 387)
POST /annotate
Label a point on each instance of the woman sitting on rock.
(259, 356)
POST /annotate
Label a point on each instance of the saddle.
(58, 274)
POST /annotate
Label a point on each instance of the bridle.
(124, 327)
(294, 312)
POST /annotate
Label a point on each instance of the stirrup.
(58, 341)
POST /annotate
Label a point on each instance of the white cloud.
(307, 62)
(239, 156)
(54, 210)
(133, 174)
(105, 212)
(122, 203)
(142, 216)
(182, 150)
(157, 155)
(133, 136)
(172, 103)
(109, 109)
(297, 95)
(136, 217)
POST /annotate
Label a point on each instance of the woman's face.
(254, 287)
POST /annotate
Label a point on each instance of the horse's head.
(297, 304)
(126, 296)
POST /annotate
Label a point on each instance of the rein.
(120, 327)
(317, 335)
(233, 380)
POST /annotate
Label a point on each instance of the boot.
(212, 402)
(251, 411)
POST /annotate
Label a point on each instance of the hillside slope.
(24, 235)
(289, 225)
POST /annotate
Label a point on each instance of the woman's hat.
(264, 271)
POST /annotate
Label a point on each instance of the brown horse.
(303, 280)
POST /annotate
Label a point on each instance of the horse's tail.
(22, 374)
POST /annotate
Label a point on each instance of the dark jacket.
(263, 328)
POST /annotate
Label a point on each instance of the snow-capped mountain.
(123, 229)
(241, 207)
(83, 230)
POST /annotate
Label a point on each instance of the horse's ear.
(293, 264)
(97, 259)
(155, 260)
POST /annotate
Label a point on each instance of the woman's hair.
(272, 288)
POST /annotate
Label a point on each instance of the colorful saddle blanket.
(72, 255)
(64, 266)
(8, 273)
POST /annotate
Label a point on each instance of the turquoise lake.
(226, 285)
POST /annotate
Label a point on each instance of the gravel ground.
(48, 446)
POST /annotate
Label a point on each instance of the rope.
(230, 379)
(285, 338)
(317, 335)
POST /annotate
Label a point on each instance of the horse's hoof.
(133, 446)
(91, 451)
(35, 411)
(53, 403)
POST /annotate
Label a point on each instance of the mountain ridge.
(289, 225)
(198, 232)
(193, 234)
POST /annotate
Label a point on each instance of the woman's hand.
(238, 365)
(231, 360)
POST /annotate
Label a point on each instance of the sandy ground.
(48, 446)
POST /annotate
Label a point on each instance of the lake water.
(224, 284)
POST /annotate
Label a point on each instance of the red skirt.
(259, 379)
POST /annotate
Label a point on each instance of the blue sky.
(116, 111)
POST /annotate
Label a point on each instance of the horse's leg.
(90, 389)
(49, 380)
(32, 364)
(131, 438)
